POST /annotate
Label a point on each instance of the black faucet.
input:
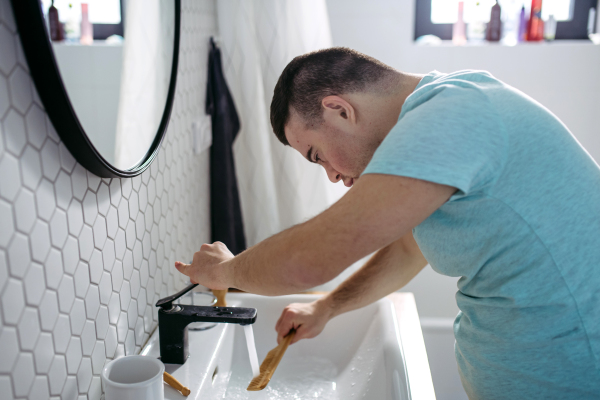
(173, 320)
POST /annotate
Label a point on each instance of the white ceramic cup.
(133, 378)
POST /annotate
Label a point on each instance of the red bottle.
(535, 27)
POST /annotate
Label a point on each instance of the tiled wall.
(84, 259)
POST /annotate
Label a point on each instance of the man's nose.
(332, 174)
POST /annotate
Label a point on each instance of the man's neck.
(390, 106)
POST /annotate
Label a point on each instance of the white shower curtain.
(278, 187)
(146, 71)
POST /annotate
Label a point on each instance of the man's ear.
(336, 107)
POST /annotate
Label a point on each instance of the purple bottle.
(522, 26)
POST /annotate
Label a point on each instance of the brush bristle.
(260, 381)
(269, 364)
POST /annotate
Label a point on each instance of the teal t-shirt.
(522, 232)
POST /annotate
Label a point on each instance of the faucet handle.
(166, 302)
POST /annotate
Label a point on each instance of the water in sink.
(306, 378)
(346, 361)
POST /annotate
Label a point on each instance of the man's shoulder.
(451, 93)
(459, 83)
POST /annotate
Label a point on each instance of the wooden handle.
(279, 351)
(282, 348)
(220, 295)
(175, 384)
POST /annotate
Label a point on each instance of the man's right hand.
(308, 319)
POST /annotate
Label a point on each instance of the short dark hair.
(309, 78)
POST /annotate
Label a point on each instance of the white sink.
(373, 353)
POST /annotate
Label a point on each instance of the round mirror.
(105, 71)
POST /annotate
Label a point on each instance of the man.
(459, 170)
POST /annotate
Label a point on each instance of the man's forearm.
(378, 211)
(387, 271)
(268, 268)
(294, 260)
(316, 251)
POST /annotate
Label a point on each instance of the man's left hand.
(208, 267)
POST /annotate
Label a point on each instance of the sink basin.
(376, 352)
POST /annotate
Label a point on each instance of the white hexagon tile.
(84, 259)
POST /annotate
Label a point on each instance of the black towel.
(226, 214)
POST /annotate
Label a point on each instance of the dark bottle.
(56, 32)
(494, 28)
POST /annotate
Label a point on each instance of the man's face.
(340, 151)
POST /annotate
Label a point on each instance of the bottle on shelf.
(56, 32)
(550, 28)
(535, 27)
(476, 26)
(591, 21)
(87, 31)
(494, 27)
(72, 24)
(459, 36)
(510, 17)
(522, 35)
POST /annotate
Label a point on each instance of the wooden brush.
(220, 295)
(270, 363)
(175, 384)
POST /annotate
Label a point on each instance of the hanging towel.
(226, 214)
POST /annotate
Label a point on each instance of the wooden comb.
(220, 295)
(270, 363)
(175, 384)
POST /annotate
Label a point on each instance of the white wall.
(563, 76)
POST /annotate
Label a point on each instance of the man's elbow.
(304, 276)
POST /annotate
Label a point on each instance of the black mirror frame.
(48, 82)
